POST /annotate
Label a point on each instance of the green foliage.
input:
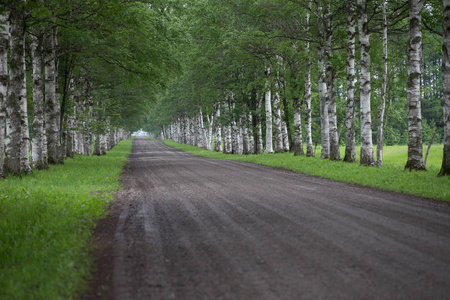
(46, 222)
(391, 176)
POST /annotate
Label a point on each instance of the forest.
(232, 76)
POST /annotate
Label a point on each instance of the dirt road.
(186, 227)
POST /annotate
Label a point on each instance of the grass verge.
(391, 176)
(46, 222)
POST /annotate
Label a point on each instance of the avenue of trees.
(238, 76)
(288, 75)
(74, 73)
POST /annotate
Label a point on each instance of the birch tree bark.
(218, 130)
(324, 121)
(268, 107)
(381, 109)
(37, 156)
(227, 145)
(17, 157)
(259, 137)
(52, 105)
(87, 128)
(298, 138)
(350, 151)
(307, 95)
(210, 130)
(251, 139)
(445, 169)
(4, 45)
(415, 156)
(365, 87)
(331, 93)
(277, 133)
(244, 129)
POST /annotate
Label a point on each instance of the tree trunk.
(324, 121)
(251, 138)
(381, 109)
(298, 139)
(268, 107)
(259, 136)
(445, 169)
(307, 95)
(4, 45)
(210, 130)
(227, 147)
(17, 157)
(277, 133)
(52, 105)
(331, 93)
(218, 130)
(365, 87)
(415, 156)
(87, 134)
(245, 139)
(38, 103)
(350, 151)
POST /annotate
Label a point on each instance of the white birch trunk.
(52, 105)
(218, 131)
(307, 94)
(415, 155)
(210, 131)
(89, 108)
(277, 133)
(244, 130)
(259, 136)
(17, 157)
(324, 121)
(445, 169)
(381, 108)
(366, 157)
(251, 139)
(268, 107)
(37, 157)
(227, 139)
(350, 151)
(298, 137)
(4, 78)
(234, 133)
(284, 132)
(331, 93)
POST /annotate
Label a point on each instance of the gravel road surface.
(186, 227)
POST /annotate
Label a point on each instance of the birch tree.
(277, 130)
(217, 129)
(350, 151)
(415, 156)
(268, 108)
(4, 45)
(366, 157)
(259, 136)
(331, 94)
(445, 169)
(381, 109)
(52, 105)
(307, 93)
(17, 158)
(37, 154)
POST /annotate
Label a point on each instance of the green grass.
(391, 176)
(46, 224)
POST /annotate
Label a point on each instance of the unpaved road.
(186, 227)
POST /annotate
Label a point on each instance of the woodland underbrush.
(392, 176)
(46, 224)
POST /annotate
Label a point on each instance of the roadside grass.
(391, 176)
(46, 223)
